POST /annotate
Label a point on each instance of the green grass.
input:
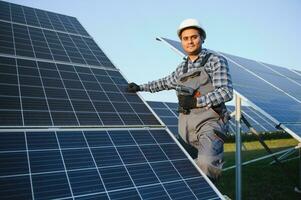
(260, 180)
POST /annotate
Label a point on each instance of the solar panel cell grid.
(97, 161)
(46, 88)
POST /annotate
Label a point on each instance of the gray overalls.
(202, 127)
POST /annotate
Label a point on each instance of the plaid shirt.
(218, 71)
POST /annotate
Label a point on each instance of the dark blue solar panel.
(41, 39)
(275, 90)
(79, 164)
(48, 94)
(39, 18)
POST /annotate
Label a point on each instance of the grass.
(260, 180)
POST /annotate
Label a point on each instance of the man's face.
(191, 41)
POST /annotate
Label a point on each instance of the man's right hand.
(133, 87)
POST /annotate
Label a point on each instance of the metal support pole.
(299, 168)
(298, 188)
(238, 147)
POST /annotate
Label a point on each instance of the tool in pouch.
(185, 90)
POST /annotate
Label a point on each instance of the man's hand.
(187, 102)
(133, 87)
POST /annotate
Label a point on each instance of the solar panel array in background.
(53, 75)
(257, 120)
(127, 164)
(276, 91)
(168, 113)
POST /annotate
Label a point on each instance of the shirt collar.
(202, 54)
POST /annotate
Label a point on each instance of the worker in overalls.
(202, 114)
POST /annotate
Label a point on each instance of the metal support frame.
(261, 141)
(238, 147)
(259, 159)
(284, 156)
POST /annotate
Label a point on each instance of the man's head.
(192, 35)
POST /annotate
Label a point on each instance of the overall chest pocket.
(195, 79)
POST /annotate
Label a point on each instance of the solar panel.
(105, 164)
(50, 94)
(82, 89)
(168, 113)
(68, 127)
(39, 34)
(274, 91)
(255, 118)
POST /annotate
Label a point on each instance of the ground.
(260, 180)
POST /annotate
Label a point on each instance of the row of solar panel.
(46, 94)
(273, 89)
(40, 18)
(168, 113)
(139, 164)
(32, 42)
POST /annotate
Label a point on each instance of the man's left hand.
(187, 101)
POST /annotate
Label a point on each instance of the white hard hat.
(191, 23)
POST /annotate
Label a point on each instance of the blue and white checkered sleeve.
(165, 83)
(222, 83)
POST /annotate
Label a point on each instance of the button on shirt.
(218, 71)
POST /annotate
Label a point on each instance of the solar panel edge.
(194, 164)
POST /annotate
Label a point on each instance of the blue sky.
(263, 30)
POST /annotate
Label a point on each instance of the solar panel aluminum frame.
(282, 126)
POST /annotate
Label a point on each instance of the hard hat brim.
(202, 31)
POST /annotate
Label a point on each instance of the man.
(202, 118)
